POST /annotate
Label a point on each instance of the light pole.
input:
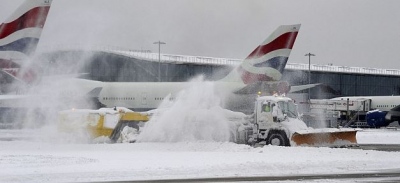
(309, 71)
(159, 58)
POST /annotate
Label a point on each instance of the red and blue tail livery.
(268, 60)
(20, 33)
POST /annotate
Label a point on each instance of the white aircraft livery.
(385, 109)
(262, 69)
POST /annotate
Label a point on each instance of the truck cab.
(272, 116)
(274, 109)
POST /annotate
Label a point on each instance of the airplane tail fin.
(19, 35)
(268, 60)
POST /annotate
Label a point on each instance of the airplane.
(260, 71)
(19, 36)
(385, 109)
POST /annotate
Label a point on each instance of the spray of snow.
(195, 115)
(55, 88)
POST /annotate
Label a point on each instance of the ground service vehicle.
(276, 121)
(109, 122)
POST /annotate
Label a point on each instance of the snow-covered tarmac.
(33, 156)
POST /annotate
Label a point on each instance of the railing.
(343, 69)
(170, 58)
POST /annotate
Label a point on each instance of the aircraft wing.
(302, 87)
(253, 88)
(265, 87)
(271, 87)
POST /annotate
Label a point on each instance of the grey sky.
(364, 33)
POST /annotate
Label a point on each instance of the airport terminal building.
(113, 65)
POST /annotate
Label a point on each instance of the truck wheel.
(278, 138)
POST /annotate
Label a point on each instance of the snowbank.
(23, 161)
(379, 136)
(41, 156)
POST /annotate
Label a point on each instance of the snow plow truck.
(275, 121)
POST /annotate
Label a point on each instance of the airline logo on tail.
(20, 33)
(268, 60)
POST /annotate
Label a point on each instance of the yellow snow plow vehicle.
(276, 121)
(109, 122)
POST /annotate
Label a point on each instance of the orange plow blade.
(325, 138)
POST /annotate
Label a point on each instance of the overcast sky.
(364, 33)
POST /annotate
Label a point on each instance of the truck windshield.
(288, 108)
